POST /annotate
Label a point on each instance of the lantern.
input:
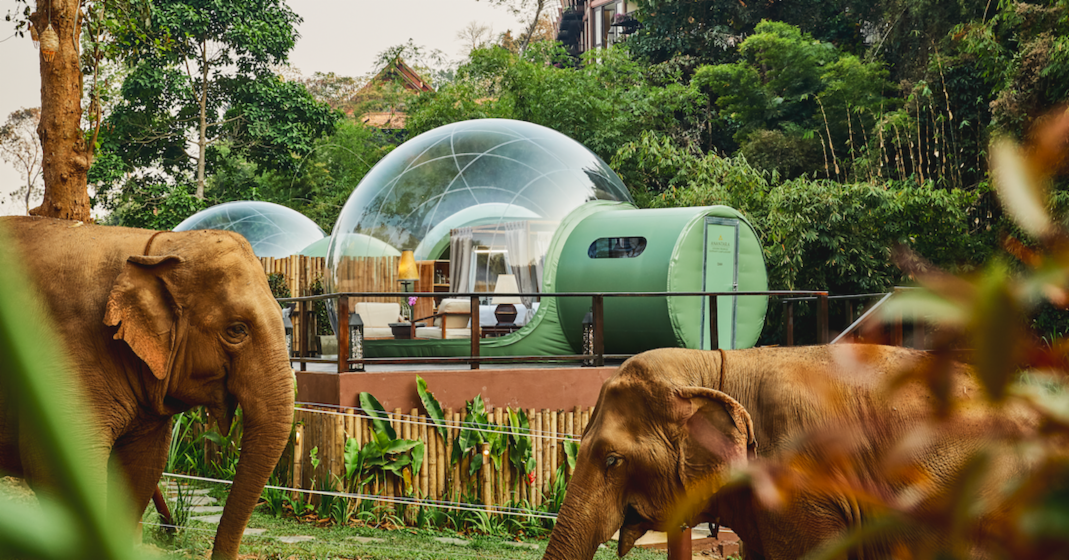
(356, 341)
(288, 323)
(35, 37)
(49, 43)
(588, 339)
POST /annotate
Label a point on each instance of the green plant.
(385, 452)
(478, 430)
(274, 499)
(182, 506)
(521, 448)
(277, 282)
(320, 307)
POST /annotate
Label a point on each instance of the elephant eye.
(237, 332)
(611, 460)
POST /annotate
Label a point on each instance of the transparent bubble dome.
(489, 175)
(272, 230)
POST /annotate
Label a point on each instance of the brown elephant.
(670, 424)
(155, 323)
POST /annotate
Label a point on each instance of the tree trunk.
(66, 154)
(534, 25)
(202, 138)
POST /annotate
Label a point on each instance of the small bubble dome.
(498, 186)
(272, 230)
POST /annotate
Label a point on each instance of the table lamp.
(505, 312)
(407, 272)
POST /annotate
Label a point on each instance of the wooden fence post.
(679, 545)
(488, 492)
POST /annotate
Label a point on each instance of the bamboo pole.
(443, 462)
(446, 469)
(487, 474)
(536, 426)
(421, 434)
(298, 454)
(569, 424)
(552, 448)
(405, 430)
(432, 463)
(456, 468)
(338, 473)
(465, 479)
(499, 475)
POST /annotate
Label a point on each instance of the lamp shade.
(506, 284)
(407, 269)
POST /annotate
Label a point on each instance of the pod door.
(720, 273)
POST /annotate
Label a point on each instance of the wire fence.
(396, 500)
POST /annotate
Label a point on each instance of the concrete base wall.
(537, 388)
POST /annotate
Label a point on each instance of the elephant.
(153, 324)
(671, 424)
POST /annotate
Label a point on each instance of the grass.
(337, 542)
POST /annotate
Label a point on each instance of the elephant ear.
(144, 309)
(718, 430)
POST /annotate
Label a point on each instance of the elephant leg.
(139, 458)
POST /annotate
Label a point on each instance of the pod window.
(617, 248)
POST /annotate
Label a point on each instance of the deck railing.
(595, 355)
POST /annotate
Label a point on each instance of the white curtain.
(460, 250)
(516, 241)
(541, 241)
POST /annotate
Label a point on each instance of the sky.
(340, 36)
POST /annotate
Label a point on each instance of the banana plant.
(521, 449)
(478, 430)
(384, 452)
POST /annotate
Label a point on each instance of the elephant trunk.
(584, 522)
(268, 421)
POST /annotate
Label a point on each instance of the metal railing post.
(714, 324)
(302, 313)
(343, 334)
(476, 332)
(822, 319)
(599, 329)
(849, 315)
(790, 323)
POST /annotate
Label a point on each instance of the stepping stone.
(296, 539)
(365, 540)
(201, 500)
(201, 491)
(523, 545)
(451, 540)
(210, 519)
(250, 532)
(205, 509)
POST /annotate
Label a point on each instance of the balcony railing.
(596, 355)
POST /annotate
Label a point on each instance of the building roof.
(398, 70)
(385, 120)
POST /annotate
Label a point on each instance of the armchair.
(451, 321)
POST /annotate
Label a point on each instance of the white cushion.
(378, 332)
(436, 333)
(378, 314)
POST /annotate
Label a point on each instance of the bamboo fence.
(328, 429)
